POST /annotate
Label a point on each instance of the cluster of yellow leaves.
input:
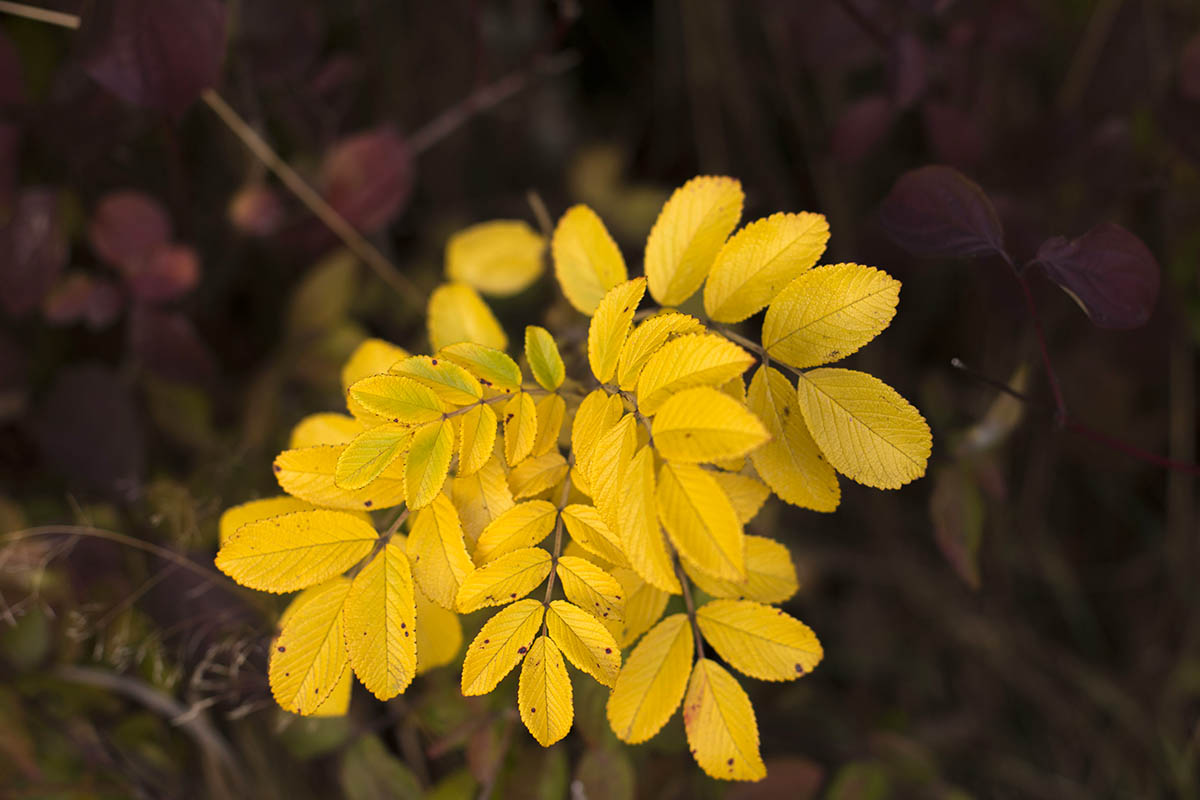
(651, 466)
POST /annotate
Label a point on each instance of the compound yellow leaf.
(371, 357)
(504, 579)
(704, 424)
(746, 494)
(544, 693)
(500, 645)
(829, 313)
(255, 510)
(309, 657)
(439, 633)
(308, 473)
(866, 430)
(689, 232)
(381, 619)
(428, 462)
(551, 410)
(438, 552)
(614, 451)
(450, 382)
(759, 640)
(699, 359)
(646, 338)
(701, 521)
(371, 452)
(721, 730)
(638, 525)
(591, 588)
(295, 551)
(761, 259)
(644, 606)
(598, 412)
(545, 362)
(492, 366)
(500, 257)
(610, 326)
(770, 574)
(523, 525)
(324, 428)
(655, 676)
(791, 463)
(591, 533)
(520, 427)
(536, 474)
(480, 498)
(584, 641)
(587, 261)
(457, 313)
(397, 399)
(477, 438)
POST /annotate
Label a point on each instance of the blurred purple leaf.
(1108, 271)
(170, 271)
(936, 211)
(908, 66)
(860, 128)
(155, 53)
(89, 429)
(168, 345)
(279, 40)
(33, 250)
(127, 227)
(956, 509)
(368, 177)
(954, 136)
(80, 297)
(256, 210)
(1189, 69)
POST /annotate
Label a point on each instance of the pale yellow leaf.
(255, 510)
(536, 474)
(324, 428)
(494, 368)
(450, 382)
(457, 313)
(438, 552)
(598, 412)
(700, 520)
(721, 730)
(508, 577)
(308, 473)
(614, 451)
(524, 525)
(371, 452)
(644, 606)
(499, 258)
(689, 232)
(309, 656)
(866, 430)
(653, 681)
(587, 261)
(544, 693)
(477, 438)
(610, 326)
(645, 340)
(480, 498)
(545, 362)
(759, 640)
(584, 641)
(591, 533)
(500, 645)
(520, 427)
(638, 525)
(380, 619)
(760, 260)
(439, 634)
(704, 424)
(770, 574)
(699, 359)
(397, 399)
(745, 493)
(371, 357)
(591, 588)
(427, 462)
(551, 410)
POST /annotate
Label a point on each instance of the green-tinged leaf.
(545, 362)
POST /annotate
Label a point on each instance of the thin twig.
(691, 606)
(59, 18)
(1060, 402)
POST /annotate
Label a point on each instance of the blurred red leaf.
(167, 343)
(155, 53)
(256, 210)
(33, 250)
(936, 211)
(860, 128)
(80, 297)
(167, 273)
(1189, 69)
(953, 134)
(1108, 271)
(368, 177)
(127, 227)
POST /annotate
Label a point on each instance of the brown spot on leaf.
(522, 649)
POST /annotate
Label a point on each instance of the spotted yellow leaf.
(721, 730)
(745, 493)
(338, 702)
(476, 438)
(438, 552)
(523, 525)
(644, 606)
(544, 693)
(450, 382)
(591, 533)
(536, 474)
(690, 230)
(507, 578)
(587, 261)
(397, 399)
(371, 452)
(324, 428)
(699, 359)
(610, 325)
(584, 641)
(759, 640)
(700, 520)
(380, 619)
(645, 339)
(255, 510)
(551, 410)
(457, 313)
(308, 473)
(500, 645)
(653, 681)
(480, 497)
(639, 528)
(500, 257)
(494, 368)
(591, 588)
(704, 424)
(520, 427)
(770, 574)
(545, 362)
(309, 656)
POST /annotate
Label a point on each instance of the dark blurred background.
(1022, 623)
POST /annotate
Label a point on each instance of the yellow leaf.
(610, 326)
(450, 382)
(770, 574)
(338, 702)
(493, 367)
(536, 474)
(237, 516)
(371, 452)
(520, 427)
(438, 552)
(477, 438)
(544, 693)
(371, 357)
(638, 525)
(645, 340)
(295, 551)
(598, 412)
(701, 521)
(584, 641)
(500, 645)
(380, 619)
(308, 474)
(309, 657)
(500, 258)
(591, 588)
(590, 532)
(644, 606)
(791, 463)
(427, 462)
(397, 399)
(587, 261)
(438, 631)
(551, 410)
(480, 498)
(614, 452)
(545, 362)
(523, 525)
(762, 258)
(699, 359)
(456, 313)
(689, 231)
(759, 640)
(503, 580)
(704, 424)
(655, 676)
(829, 313)
(325, 428)
(721, 730)
(866, 430)
(746, 494)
